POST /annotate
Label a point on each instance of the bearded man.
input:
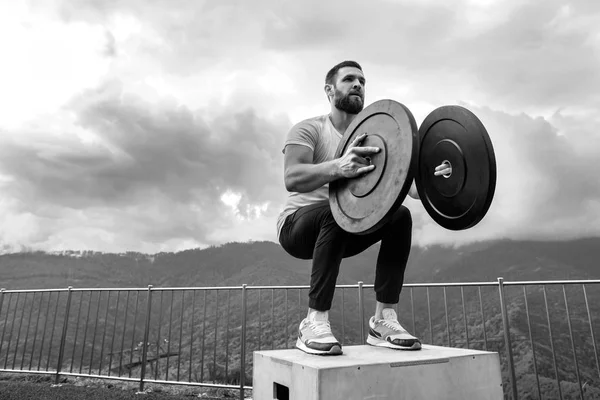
(307, 230)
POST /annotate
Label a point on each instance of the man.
(307, 230)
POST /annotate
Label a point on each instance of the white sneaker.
(315, 337)
(388, 332)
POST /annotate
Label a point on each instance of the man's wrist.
(334, 170)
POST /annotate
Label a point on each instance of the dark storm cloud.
(540, 54)
(160, 158)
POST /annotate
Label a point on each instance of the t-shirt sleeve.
(304, 133)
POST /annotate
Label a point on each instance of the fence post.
(361, 312)
(507, 341)
(1, 298)
(243, 345)
(146, 334)
(64, 335)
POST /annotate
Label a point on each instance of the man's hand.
(443, 169)
(354, 162)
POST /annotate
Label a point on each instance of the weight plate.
(454, 135)
(364, 204)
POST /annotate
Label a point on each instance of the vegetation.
(195, 335)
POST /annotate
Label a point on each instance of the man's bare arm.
(301, 175)
(412, 192)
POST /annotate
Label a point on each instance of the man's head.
(345, 87)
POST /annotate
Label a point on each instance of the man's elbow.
(290, 184)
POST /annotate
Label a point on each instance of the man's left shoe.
(388, 332)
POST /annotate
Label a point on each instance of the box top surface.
(365, 355)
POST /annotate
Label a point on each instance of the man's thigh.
(359, 243)
(302, 229)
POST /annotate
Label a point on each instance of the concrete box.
(373, 373)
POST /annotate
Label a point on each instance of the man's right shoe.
(315, 337)
(388, 332)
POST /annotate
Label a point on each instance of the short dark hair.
(331, 75)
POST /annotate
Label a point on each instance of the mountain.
(267, 263)
(203, 332)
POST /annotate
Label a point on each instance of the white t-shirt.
(322, 138)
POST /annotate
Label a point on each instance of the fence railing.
(544, 331)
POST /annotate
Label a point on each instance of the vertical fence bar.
(259, 320)
(44, 330)
(216, 336)
(37, 323)
(169, 335)
(227, 335)
(63, 336)
(135, 313)
(243, 345)
(429, 314)
(95, 329)
(53, 329)
(6, 319)
(361, 312)
(203, 338)
(19, 333)
(272, 319)
(482, 319)
(191, 334)
(125, 325)
(552, 342)
(146, 335)
(10, 333)
(412, 308)
(76, 332)
(572, 342)
(27, 331)
(587, 307)
(158, 346)
(114, 334)
(87, 320)
(537, 378)
(509, 354)
(447, 319)
(462, 296)
(104, 333)
(180, 333)
(287, 333)
(343, 323)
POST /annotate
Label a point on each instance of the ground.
(17, 387)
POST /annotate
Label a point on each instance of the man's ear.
(328, 90)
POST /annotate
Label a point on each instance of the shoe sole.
(334, 351)
(373, 341)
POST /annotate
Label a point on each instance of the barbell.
(450, 135)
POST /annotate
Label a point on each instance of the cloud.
(147, 171)
(546, 184)
(158, 125)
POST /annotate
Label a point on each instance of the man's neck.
(340, 119)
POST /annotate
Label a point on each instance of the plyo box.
(373, 373)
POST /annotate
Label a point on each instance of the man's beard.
(348, 103)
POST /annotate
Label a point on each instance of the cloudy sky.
(157, 125)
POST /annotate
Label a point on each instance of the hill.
(267, 263)
(200, 338)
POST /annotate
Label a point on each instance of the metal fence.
(544, 331)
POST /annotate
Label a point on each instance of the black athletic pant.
(312, 233)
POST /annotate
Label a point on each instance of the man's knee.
(402, 218)
(330, 230)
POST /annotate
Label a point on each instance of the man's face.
(349, 90)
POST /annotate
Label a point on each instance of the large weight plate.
(455, 135)
(364, 204)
